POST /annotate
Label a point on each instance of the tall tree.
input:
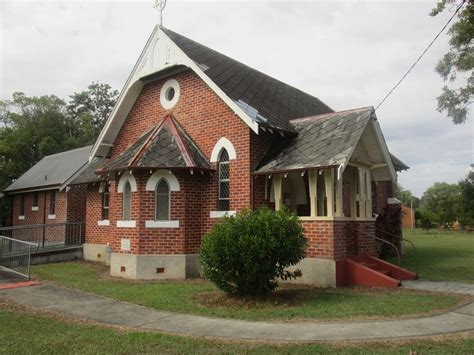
(458, 61)
(91, 108)
(441, 201)
(466, 210)
(406, 197)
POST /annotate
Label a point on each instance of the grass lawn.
(202, 298)
(26, 333)
(448, 256)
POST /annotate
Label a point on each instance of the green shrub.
(246, 254)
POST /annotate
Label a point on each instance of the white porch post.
(353, 184)
(368, 199)
(329, 179)
(277, 184)
(362, 198)
(339, 198)
(313, 193)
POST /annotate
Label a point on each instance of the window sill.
(51, 216)
(126, 224)
(21, 217)
(220, 214)
(104, 222)
(162, 224)
(34, 208)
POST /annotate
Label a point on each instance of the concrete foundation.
(94, 252)
(317, 272)
(56, 256)
(154, 267)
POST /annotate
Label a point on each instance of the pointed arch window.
(127, 202)
(224, 181)
(162, 201)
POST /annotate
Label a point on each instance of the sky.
(347, 53)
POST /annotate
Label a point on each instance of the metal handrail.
(31, 226)
(404, 240)
(20, 241)
(396, 249)
(17, 257)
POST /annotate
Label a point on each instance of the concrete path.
(105, 310)
(439, 286)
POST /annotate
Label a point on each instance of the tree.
(32, 127)
(406, 197)
(245, 254)
(441, 201)
(458, 60)
(466, 210)
(91, 108)
(426, 220)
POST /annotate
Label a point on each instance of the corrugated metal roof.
(322, 141)
(263, 98)
(53, 170)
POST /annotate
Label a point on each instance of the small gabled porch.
(336, 175)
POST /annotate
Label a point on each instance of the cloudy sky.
(347, 53)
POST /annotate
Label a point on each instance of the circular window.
(169, 94)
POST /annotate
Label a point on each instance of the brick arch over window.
(222, 144)
(162, 174)
(123, 179)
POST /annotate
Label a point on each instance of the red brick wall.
(205, 118)
(96, 234)
(384, 192)
(338, 240)
(76, 203)
(38, 217)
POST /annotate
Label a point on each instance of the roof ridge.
(248, 66)
(65, 151)
(301, 119)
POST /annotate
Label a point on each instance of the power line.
(421, 56)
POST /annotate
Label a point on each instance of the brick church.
(196, 135)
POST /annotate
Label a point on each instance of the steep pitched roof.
(322, 141)
(164, 146)
(87, 174)
(52, 171)
(398, 164)
(263, 98)
(258, 99)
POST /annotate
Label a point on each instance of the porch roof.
(164, 146)
(322, 141)
(87, 175)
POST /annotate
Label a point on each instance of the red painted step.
(364, 270)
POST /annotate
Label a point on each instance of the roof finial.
(160, 6)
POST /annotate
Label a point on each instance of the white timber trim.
(51, 216)
(167, 175)
(127, 176)
(34, 208)
(220, 214)
(223, 143)
(162, 224)
(21, 217)
(160, 53)
(126, 224)
(168, 85)
(104, 222)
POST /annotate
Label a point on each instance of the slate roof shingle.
(265, 99)
(322, 141)
(88, 175)
(164, 146)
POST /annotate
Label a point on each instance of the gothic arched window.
(224, 179)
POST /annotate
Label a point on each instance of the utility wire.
(421, 56)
